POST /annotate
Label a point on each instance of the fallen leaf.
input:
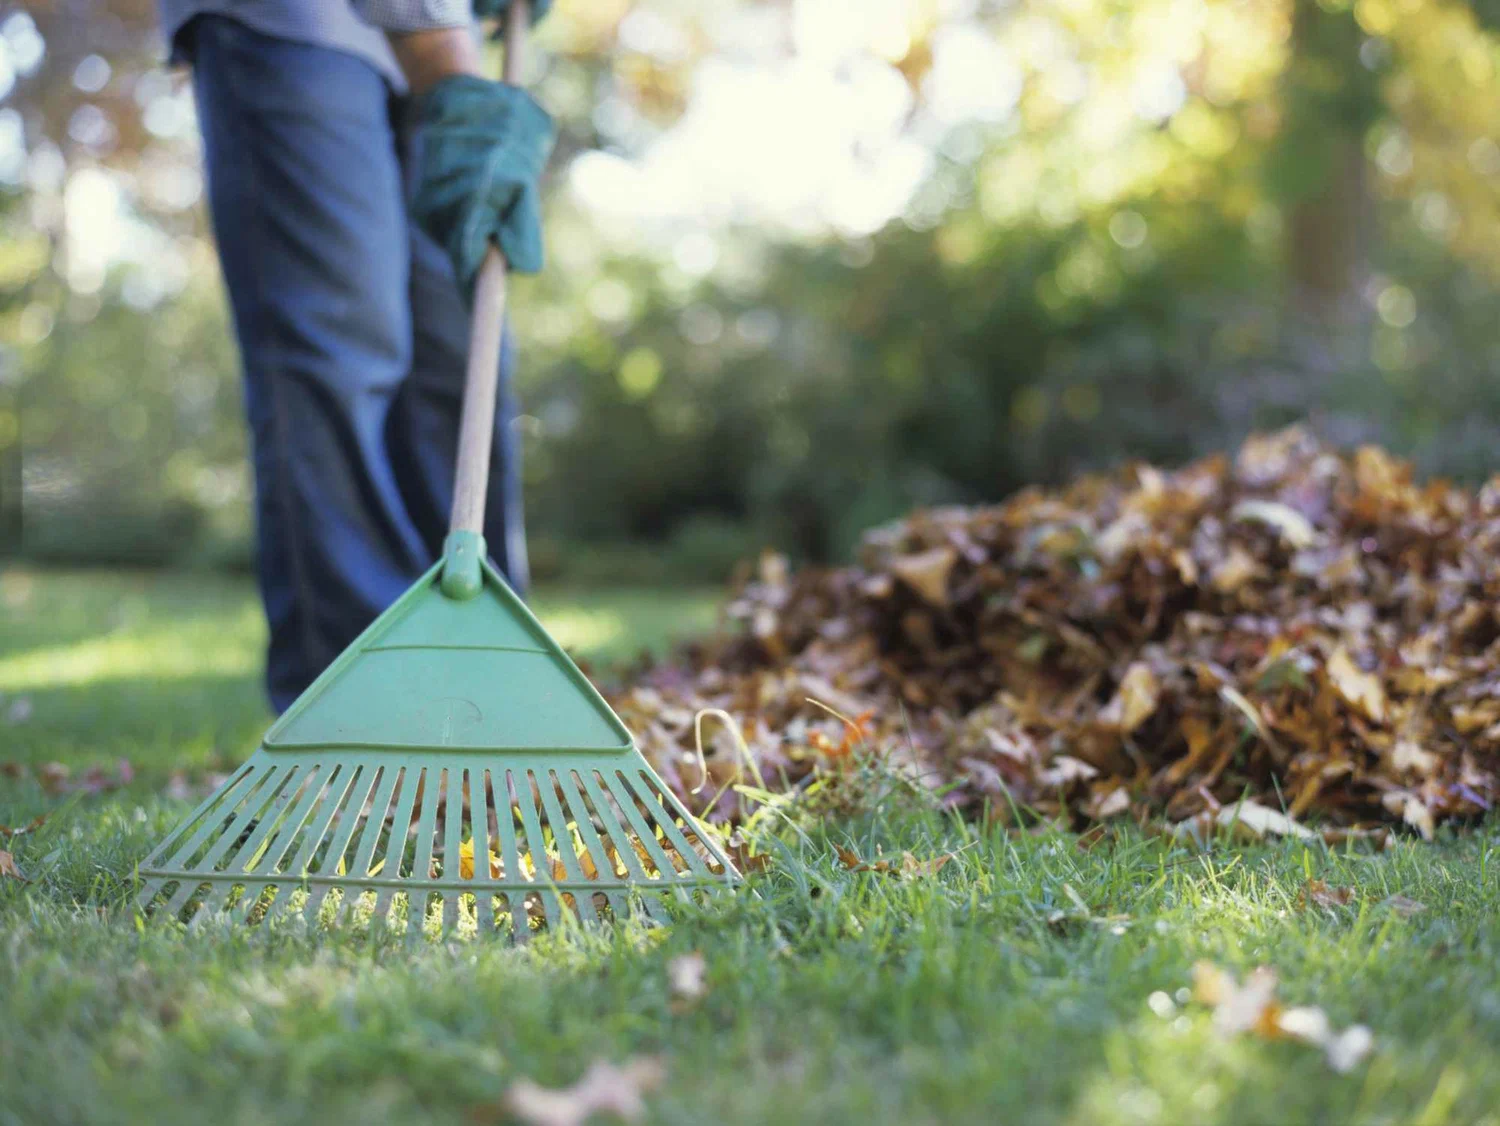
(685, 975)
(8, 869)
(912, 868)
(1261, 820)
(744, 860)
(927, 573)
(1296, 530)
(1361, 690)
(909, 867)
(1135, 701)
(1235, 570)
(1320, 894)
(1253, 1008)
(1416, 814)
(850, 859)
(30, 827)
(603, 1089)
(1238, 1008)
(1408, 755)
(466, 862)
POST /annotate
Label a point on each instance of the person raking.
(359, 165)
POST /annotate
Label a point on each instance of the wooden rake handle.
(476, 426)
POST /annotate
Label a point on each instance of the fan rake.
(452, 765)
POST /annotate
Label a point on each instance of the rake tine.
(453, 816)
(520, 920)
(269, 820)
(505, 825)
(348, 820)
(421, 867)
(148, 893)
(180, 899)
(248, 820)
(395, 846)
(159, 854)
(242, 911)
(541, 867)
(664, 866)
(648, 906)
(312, 786)
(585, 822)
(623, 847)
(548, 789)
(374, 822)
(331, 797)
(213, 903)
(479, 823)
(679, 842)
(232, 798)
(553, 908)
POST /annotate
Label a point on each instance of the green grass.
(833, 996)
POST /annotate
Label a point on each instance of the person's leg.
(422, 432)
(305, 188)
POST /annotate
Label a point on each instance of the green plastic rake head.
(453, 767)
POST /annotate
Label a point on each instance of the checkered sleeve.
(415, 15)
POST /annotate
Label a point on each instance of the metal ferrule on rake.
(453, 767)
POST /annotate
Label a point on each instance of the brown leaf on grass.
(11, 769)
(604, 1089)
(30, 827)
(685, 976)
(1253, 1009)
(1318, 893)
(912, 868)
(908, 866)
(8, 869)
(744, 860)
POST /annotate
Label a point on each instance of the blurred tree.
(807, 271)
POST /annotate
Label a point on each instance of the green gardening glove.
(484, 145)
(485, 9)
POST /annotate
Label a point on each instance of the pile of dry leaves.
(1310, 630)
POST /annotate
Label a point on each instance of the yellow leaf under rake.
(559, 870)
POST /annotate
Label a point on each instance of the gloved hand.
(484, 9)
(484, 145)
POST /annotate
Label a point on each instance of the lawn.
(1030, 978)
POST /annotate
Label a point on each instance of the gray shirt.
(325, 23)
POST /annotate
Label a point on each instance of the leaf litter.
(1252, 1008)
(605, 1088)
(1242, 644)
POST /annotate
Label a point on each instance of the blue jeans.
(353, 337)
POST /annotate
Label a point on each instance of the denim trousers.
(353, 337)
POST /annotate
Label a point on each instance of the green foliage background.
(1311, 230)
